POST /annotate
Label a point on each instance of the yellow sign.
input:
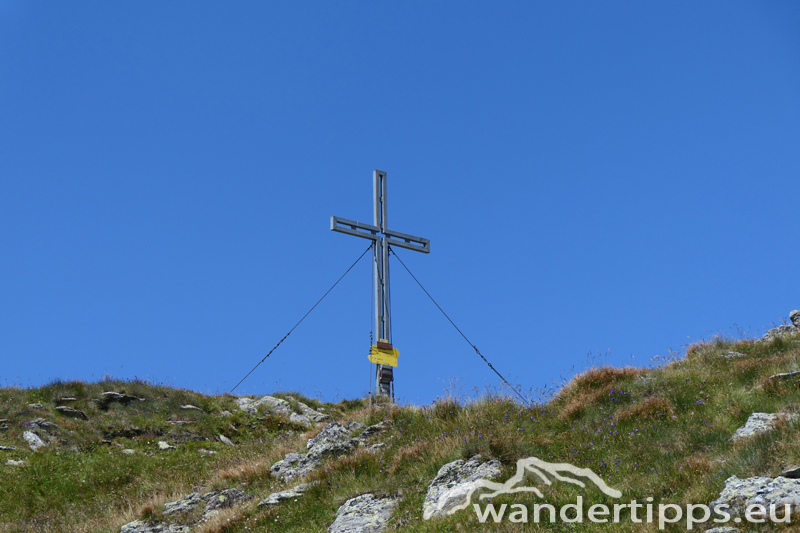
(383, 357)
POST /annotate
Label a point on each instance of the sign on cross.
(382, 237)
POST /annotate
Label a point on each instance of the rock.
(791, 473)
(163, 445)
(310, 413)
(225, 413)
(277, 497)
(730, 355)
(224, 499)
(759, 423)
(12, 462)
(332, 441)
(274, 405)
(723, 529)
(8, 448)
(453, 483)
(364, 514)
(225, 440)
(300, 419)
(36, 405)
(110, 397)
(209, 452)
(184, 505)
(128, 451)
(794, 316)
(190, 407)
(71, 413)
(741, 493)
(33, 440)
(780, 331)
(179, 422)
(3, 427)
(42, 423)
(140, 526)
(784, 376)
(60, 401)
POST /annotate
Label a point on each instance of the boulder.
(110, 397)
(741, 493)
(71, 413)
(453, 484)
(791, 473)
(364, 514)
(760, 423)
(12, 462)
(140, 526)
(300, 419)
(277, 497)
(332, 441)
(163, 445)
(36, 405)
(184, 505)
(274, 405)
(225, 440)
(42, 423)
(780, 331)
(33, 440)
(128, 451)
(222, 500)
(794, 316)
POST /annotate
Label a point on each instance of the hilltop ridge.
(133, 456)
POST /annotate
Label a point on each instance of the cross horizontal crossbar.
(338, 223)
(411, 242)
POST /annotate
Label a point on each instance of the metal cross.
(382, 236)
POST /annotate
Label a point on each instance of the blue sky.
(615, 178)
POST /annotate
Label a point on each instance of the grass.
(659, 432)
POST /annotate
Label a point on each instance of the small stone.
(8, 448)
(128, 451)
(225, 413)
(140, 526)
(107, 398)
(33, 440)
(36, 405)
(12, 462)
(792, 473)
(190, 407)
(71, 413)
(209, 452)
(225, 440)
(723, 529)
(59, 401)
(163, 445)
(179, 422)
(733, 354)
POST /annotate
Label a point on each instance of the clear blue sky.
(604, 177)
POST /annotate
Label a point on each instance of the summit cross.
(382, 237)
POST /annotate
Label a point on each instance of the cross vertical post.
(382, 237)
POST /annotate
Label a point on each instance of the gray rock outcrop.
(794, 316)
(759, 423)
(741, 493)
(222, 500)
(277, 497)
(42, 423)
(281, 407)
(71, 413)
(140, 526)
(453, 484)
(332, 441)
(780, 331)
(110, 397)
(364, 514)
(185, 504)
(33, 440)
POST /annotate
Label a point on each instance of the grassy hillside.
(661, 433)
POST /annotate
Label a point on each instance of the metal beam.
(354, 227)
